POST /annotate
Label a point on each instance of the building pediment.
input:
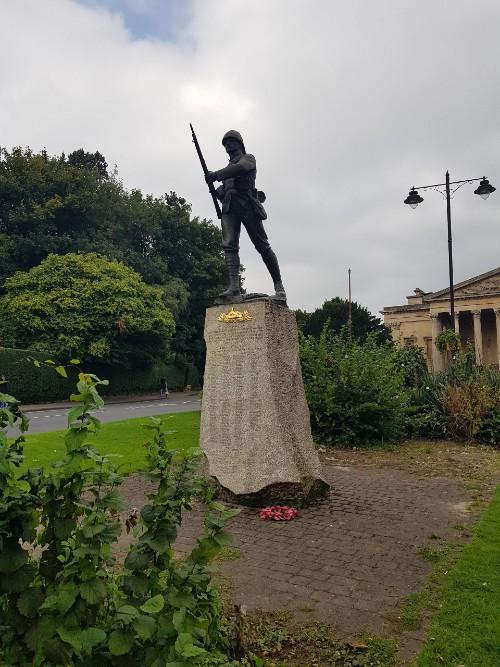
(484, 285)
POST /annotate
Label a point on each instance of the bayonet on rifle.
(205, 171)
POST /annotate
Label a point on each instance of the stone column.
(478, 336)
(437, 357)
(457, 322)
(497, 313)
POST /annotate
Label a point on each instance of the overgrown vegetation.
(63, 599)
(354, 394)
(87, 306)
(68, 204)
(460, 403)
(360, 392)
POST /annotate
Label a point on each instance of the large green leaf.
(93, 591)
(223, 538)
(137, 584)
(206, 550)
(126, 613)
(12, 560)
(19, 580)
(154, 605)
(57, 651)
(178, 599)
(113, 501)
(144, 626)
(42, 629)
(120, 642)
(29, 602)
(62, 599)
(82, 640)
(136, 560)
(185, 647)
(75, 413)
(74, 438)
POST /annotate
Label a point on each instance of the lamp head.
(414, 199)
(485, 189)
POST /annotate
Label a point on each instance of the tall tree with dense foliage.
(334, 315)
(59, 205)
(86, 306)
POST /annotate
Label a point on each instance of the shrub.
(88, 306)
(448, 341)
(72, 604)
(354, 395)
(409, 362)
(462, 402)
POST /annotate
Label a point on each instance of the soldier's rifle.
(205, 171)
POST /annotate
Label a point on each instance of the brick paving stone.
(353, 558)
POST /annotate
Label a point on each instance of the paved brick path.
(349, 561)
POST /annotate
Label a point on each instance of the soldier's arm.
(245, 163)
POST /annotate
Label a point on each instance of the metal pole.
(450, 251)
(350, 307)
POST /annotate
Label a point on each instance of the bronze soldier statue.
(242, 203)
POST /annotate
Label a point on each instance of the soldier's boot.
(233, 272)
(271, 261)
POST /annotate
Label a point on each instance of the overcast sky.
(345, 105)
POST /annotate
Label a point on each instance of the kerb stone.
(255, 429)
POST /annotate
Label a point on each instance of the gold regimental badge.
(234, 316)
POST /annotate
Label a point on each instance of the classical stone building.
(477, 317)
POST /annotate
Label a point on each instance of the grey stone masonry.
(255, 429)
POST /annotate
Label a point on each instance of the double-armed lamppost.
(484, 190)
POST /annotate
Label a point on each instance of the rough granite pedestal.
(255, 429)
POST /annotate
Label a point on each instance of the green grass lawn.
(466, 628)
(123, 440)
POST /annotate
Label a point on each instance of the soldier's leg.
(231, 226)
(258, 236)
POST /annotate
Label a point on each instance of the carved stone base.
(255, 428)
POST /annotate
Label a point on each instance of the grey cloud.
(345, 105)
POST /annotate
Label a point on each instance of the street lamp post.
(484, 190)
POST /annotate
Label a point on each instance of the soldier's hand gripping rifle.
(205, 171)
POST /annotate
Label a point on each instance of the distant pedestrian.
(163, 388)
(4, 389)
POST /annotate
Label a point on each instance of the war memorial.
(255, 430)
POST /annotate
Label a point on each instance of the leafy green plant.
(448, 341)
(63, 598)
(354, 395)
(409, 361)
(462, 402)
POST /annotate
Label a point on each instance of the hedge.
(31, 384)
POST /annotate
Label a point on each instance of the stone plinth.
(255, 429)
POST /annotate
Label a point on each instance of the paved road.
(54, 419)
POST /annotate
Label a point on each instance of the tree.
(59, 205)
(334, 313)
(83, 160)
(86, 306)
